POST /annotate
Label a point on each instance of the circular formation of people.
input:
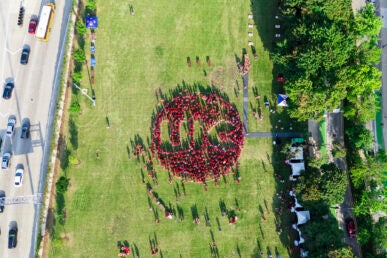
(214, 157)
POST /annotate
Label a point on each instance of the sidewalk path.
(274, 135)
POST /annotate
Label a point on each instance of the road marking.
(12, 53)
(4, 115)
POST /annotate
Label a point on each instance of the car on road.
(19, 176)
(25, 55)
(11, 126)
(32, 26)
(6, 160)
(7, 92)
(2, 195)
(12, 238)
(351, 229)
(25, 129)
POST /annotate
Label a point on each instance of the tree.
(332, 184)
(367, 24)
(379, 233)
(322, 236)
(328, 58)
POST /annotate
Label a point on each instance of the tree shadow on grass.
(63, 153)
(73, 130)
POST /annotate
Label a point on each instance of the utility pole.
(84, 92)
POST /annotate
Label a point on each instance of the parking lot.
(30, 99)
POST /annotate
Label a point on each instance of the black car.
(25, 55)
(8, 87)
(2, 196)
(25, 129)
(12, 238)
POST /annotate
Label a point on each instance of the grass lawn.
(137, 56)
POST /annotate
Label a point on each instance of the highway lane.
(30, 99)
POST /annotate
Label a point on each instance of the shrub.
(73, 160)
(79, 55)
(80, 27)
(91, 6)
(62, 184)
(77, 77)
(75, 107)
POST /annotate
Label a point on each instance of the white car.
(11, 126)
(19, 177)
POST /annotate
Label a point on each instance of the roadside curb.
(49, 187)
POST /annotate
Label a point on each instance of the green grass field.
(136, 56)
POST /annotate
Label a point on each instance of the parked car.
(8, 87)
(19, 176)
(32, 26)
(25, 129)
(12, 238)
(25, 55)
(351, 229)
(6, 160)
(11, 126)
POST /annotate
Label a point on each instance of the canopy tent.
(302, 217)
(297, 140)
(297, 168)
(296, 162)
(282, 100)
(91, 22)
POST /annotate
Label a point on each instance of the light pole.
(84, 92)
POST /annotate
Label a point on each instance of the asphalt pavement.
(30, 99)
(382, 11)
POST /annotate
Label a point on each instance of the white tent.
(296, 162)
(302, 217)
(297, 168)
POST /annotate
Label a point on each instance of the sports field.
(137, 57)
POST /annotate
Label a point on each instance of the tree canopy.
(328, 56)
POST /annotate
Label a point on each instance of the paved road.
(30, 99)
(335, 132)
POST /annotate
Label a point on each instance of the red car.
(351, 229)
(32, 25)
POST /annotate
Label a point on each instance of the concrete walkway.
(274, 135)
(246, 118)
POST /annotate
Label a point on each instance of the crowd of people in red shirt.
(215, 156)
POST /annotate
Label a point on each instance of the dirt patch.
(217, 76)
